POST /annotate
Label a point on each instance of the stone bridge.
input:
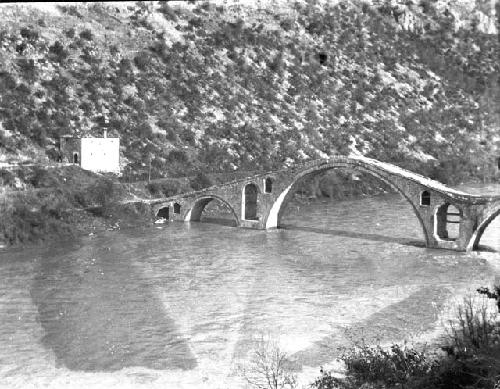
(259, 201)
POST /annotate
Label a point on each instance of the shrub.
(475, 327)
(492, 295)
(177, 156)
(29, 33)
(70, 33)
(327, 381)
(269, 368)
(57, 49)
(200, 181)
(102, 191)
(86, 34)
(398, 365)
(41, 177)
(99, 194)
(473, 360)
(71, 10)
(30, 218)
(165, 188)
(7, 178)
(142, 60)
(167, 12)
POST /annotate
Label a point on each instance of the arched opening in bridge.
(425, 198)
(487, 234)
(177, 208)
(163, 213)
(206, 210)
(447, 221)
(268, 185)
(75, 157)
(349, 203)
(250, 201)
(498, 163)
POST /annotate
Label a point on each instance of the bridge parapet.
(449, 218)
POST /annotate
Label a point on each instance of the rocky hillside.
(219, 86)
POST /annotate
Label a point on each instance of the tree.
(269, 368)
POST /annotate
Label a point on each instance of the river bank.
(43, 204)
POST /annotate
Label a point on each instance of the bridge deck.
(390, 168)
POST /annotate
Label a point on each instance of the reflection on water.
(100, 314)
(180, 305)
(357, 235)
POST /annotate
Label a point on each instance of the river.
(182, 305)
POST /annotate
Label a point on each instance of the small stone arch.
(194, 214)
(75, 157)
(163, 213)
(250, 201)
(447, 219)
(268, 185)
(177, 208)
(425, 198)
(275, 214)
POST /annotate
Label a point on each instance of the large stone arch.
(276, 212)
(199, 204)
(479, 231)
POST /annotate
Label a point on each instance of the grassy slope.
(202, 88)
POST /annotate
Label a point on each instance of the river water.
(183, 305)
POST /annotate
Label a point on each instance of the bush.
(7, 178)
(269, 368)
(31, 218)
(142, 60)
(475, 327)
(42, 178)
(473, 359)
(327, 381)
(492, 295)
(29, 33)
(70, 33)
(86, 34)
(200, 181)
(398, 365)
(165, 188)
(58, 51)
(167, 12)
(100, 194)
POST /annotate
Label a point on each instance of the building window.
(268, 185)
(425, 198)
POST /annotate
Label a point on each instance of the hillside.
(216, 86)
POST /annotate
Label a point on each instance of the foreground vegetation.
(469, 358)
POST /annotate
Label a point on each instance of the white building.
(95, 154)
